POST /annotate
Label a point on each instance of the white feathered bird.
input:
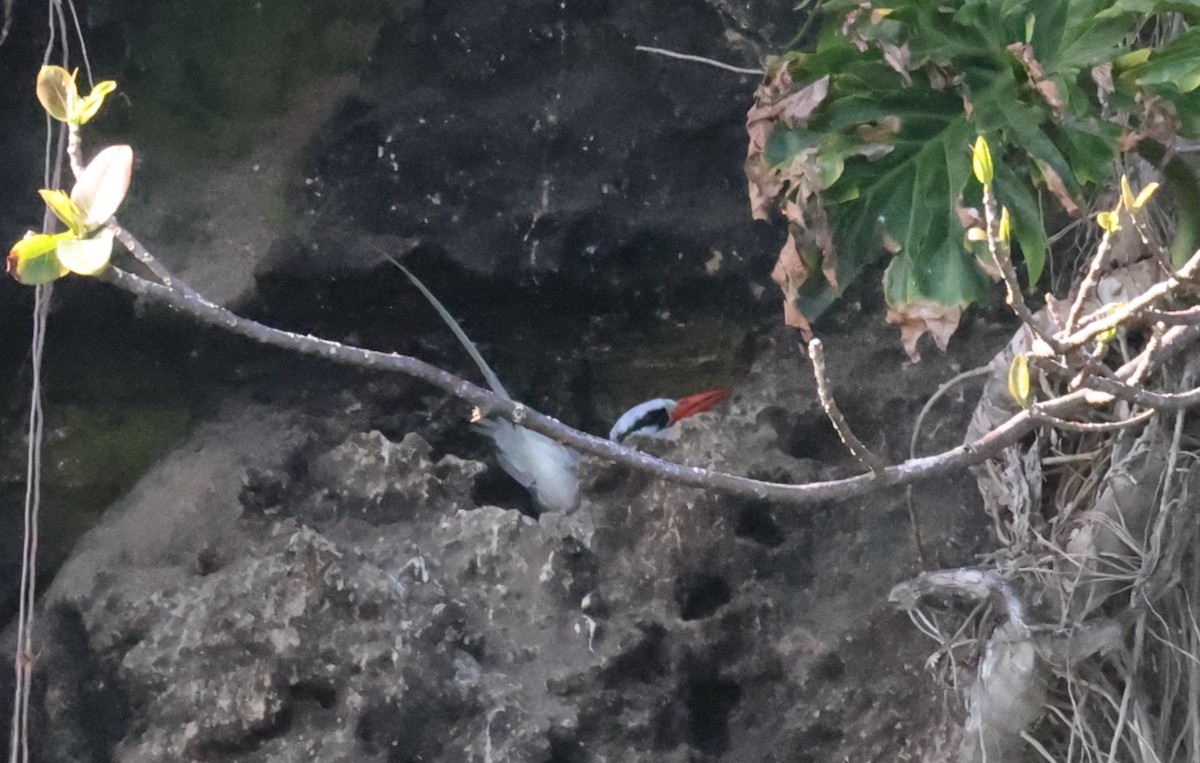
(543, 467)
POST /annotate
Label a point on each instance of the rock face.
(531, 138)
(354, 602)
(341, 581)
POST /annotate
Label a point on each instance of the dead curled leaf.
(822, 233)
(921, 316)
(1037, 75)
(790, 273)
(879, 131)
(1102, 76)
(795, 188)
(764, 186)
(793, 109)
(1054, 183)
(773, 102)
(897, 57)
(851, 27)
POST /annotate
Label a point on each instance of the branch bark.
(861, 453)
(904, 473)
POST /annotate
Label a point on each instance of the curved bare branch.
(903, 473)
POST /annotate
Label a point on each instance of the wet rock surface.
(348, 598)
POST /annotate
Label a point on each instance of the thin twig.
(75, 151)
(143, 255)
(1115, 318)
(1088, 285)
(1160, 400)
(698, 59)
(938, 395)
(1002, 256)
(1094, 427)
(861, 453)
(1151, 350)
(941, 391)
(19, 733)
(151, 262)
(1173, 317)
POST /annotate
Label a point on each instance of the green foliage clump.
(86, 246)
(863, 140)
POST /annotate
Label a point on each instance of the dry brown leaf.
(1102, 76)
(1159, 122)
(921, 316)
(773, 102)
(764, 185)
(878, 131)
(1037, 75)
(793, 317)
(851, 28)
(822, 234)
(968, 217)
(796, 108)
(897, 57)
(1054, 182)
(1049, 91)
(790, 273)
(793, 212)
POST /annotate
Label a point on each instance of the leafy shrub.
(863, 141)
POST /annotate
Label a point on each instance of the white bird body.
(542, 466)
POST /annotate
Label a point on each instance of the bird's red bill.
(698, 403)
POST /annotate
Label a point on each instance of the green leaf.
(1089, 148)
(1028, 226)
(1018, 380)
(981, 161)
(65, 209)
(1177, 64)
(59, 95)
(783, 145)
(34, 261)
(56, 91)
(1025, 73)
(86, 256)
(91, 104)
(908, 195)
(1109, 222)
(1089, 37)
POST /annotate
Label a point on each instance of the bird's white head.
(654, 417)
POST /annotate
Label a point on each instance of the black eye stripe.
(657, 418)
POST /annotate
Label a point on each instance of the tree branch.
(151, 262)
(1135, 306)
(904, 473)
(1002, 255)
(861, 453)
